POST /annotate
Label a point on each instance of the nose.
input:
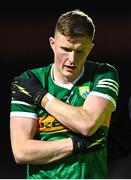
(72, 56)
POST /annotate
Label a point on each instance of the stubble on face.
(66, 68)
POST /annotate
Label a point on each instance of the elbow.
(84, 129)
(89, 124)
(19, 157)
(86, 123)
(87, 129)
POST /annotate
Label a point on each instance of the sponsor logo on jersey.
(84, 91)
(48, 124)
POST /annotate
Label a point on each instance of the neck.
(59, 79)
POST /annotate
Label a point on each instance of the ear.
(90, 48)
(52, 43)
(92, 45)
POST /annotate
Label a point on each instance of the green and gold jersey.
(99, 79)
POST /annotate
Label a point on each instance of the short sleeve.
(21, 108)
(106, 83)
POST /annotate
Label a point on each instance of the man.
(60, 114)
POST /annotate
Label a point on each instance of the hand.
(29, 90)
(84, 144)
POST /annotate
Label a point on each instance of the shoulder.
(106, 67)
(100, 66)
(99, 69)
(39, 72)
(105, 80)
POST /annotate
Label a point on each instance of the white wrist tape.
(49, 97)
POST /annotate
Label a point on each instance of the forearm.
(43, 152)
(85, 119)
(73, 117)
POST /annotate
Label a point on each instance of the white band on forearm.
(49, 97)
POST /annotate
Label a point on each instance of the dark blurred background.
(25, 28)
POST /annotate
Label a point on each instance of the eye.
(66, 49)
(79, 51)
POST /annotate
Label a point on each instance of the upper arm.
(102, 98)
(21, 129)
(100, 110)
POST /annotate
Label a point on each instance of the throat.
(63, 81)
(59, 78)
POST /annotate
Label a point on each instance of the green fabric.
(97, 78)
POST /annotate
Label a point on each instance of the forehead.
(66, 40)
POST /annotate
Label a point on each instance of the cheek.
(60, 57)
(81, 59)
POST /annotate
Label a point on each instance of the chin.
(69, 76)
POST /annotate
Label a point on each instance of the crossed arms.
(84, 120)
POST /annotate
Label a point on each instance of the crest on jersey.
(84, 91)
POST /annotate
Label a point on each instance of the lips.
(69, 68)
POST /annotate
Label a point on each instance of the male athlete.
(60, 114)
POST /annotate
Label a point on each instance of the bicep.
(22, 129)
(98, 103)
(100, 110)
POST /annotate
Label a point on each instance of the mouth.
(69, 68)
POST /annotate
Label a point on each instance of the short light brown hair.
(75, 23)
